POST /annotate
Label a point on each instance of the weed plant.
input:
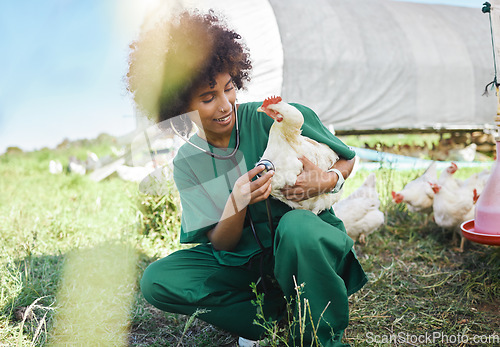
(159, 216)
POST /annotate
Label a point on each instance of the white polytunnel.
(256, 22)
(370, 64)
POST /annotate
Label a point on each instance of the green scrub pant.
(316, 253)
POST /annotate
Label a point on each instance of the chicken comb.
(271, 101)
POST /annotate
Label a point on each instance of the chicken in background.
(284, 148)
(463, 154)
(418, 194)
(478, 181)
(55, 167)
(92, 162)
(75, 166)
(454, 201)
(360, 210)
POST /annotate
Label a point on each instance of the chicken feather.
(454, 201)
(286, 145)
(418, 194)
(360, 210)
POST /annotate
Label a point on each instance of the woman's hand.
(314, 181)
(227, 233)
(246, 192)
(311, 182)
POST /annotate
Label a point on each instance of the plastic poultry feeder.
(485, 228)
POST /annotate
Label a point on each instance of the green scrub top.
(204, 183)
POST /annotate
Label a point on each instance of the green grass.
(420, 284)
(67, 242)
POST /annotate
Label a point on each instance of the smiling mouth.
(223, 119)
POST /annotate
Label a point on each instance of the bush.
(160, 216)
(13, 150)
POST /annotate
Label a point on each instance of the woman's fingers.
(295, 194)
(252, 173)
(264, 195)
(245, 181)
(261, 187)
(247, 192)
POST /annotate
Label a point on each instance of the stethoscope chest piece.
(267, 164)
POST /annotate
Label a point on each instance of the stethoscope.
(266, 163)
(213, 155)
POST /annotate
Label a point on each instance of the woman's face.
(215, 106)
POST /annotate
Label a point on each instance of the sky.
(62, 68)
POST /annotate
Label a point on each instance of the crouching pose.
(243, 235)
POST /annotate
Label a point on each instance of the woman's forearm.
(345, 166)
(227, 233)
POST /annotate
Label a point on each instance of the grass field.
(72, 252)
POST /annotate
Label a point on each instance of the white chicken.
(75, 166)
(478, 180)
(360, 210)
(55, 167)
(284, 148)
(454, 201)
(92, 162)
(418, 194)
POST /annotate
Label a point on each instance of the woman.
(244, 236)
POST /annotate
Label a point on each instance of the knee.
(170, 281)
(296, 226)
(296, 215)
(305, 230)
(296, 223)
(148, 282)
(157, 285)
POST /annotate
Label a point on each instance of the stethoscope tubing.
(232, 157)
(213, 155)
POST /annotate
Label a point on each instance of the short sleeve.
(199, 212)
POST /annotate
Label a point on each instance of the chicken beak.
(435, 188)
(266, 111)
(271, 113)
